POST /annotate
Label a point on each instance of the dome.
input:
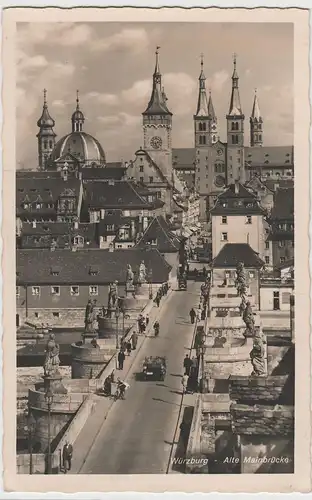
(77, 115)
(81, 145)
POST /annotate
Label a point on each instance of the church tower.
(157, 125)
(256, 124)
(46, 135)
(205, 120)
(235, 134)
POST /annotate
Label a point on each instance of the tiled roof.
(237, 199)
(52, 228)
(113, 194)
(111, 171)
(232, 253)
(184, 158)
(270, 155)
(34, 267)
(282, 183)
(37, 174)
(44, 190)
(159, 231)
(283, 204)
(62, 233)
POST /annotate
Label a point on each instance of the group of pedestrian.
(161, 292)
(143, 322)
(189, 379)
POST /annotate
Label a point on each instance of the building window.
(45, 144)
(267, 245)
(141, 168)
(224, 219)
(281, 244)
(151, 179)
(227, 274)
(110, 227)
(55, 290)
(267, 259)
(18, 291)
(248, 219)
(93, 290)
(251, 274)
(141, 179)
(224, 236)
(235, 126)
(282, 260)
(38, 206)
(74, 291)
(56, 314)
(35, 290)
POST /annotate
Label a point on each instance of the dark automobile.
(154, 367)
(182, 284)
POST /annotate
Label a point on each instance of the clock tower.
(157, 126)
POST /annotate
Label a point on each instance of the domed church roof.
(81, 145)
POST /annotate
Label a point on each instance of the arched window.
(204, 126)
(200, 127)
(45, 144)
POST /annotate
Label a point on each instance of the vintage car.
(154, 367)
(182, 283)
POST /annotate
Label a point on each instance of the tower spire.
(46, 135)
(211, 111)
(235, 105)
(202, 103)
(77, 118)
(157, 103)
(256, 123)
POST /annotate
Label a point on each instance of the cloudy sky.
(112, 64)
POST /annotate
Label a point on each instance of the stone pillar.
(88, 359)
(50, 419)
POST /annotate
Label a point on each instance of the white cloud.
(66, 34)
(135, 40)
(107, 99)
(58, 103)
(75, 35)
(138, 92)
(217, 81)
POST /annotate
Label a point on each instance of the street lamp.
(49, 400)
(30, 429)
(117, 314)
(150, 285)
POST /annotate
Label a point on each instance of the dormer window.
(93, 271)
(110, 227)
(153, 241)
(25, 206)
(55, 270)
(55, 290)
(38, 206)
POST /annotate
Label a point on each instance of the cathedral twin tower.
(206, 123)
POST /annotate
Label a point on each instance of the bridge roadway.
(138, 434)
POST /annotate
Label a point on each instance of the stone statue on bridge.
(129, 277)
(240, 281)
(257, 356)
(52, 359)
(90, 317)
(142, 273)
(249, 320)
(112, 294)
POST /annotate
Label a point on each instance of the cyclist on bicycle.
(121, 388)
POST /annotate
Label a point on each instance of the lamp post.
(30, 429)
(150, 285)
(49, 401)
(117, 314)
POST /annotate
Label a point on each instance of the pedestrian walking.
(129, 346)
(187, 363)
(157, 300)
(134, 340)
(147, 320)
(184, 382)
(121, 359)
(67, 456)
(192, 315)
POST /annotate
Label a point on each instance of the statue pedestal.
(107, 327)
(54, 383)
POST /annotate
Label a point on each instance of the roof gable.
(159, 233)
(233, 253)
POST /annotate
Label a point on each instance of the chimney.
(236, 187)
(80, 175)
(64, 172)
(132, 229)
(76, 224)
(34, 224)
(111, 182)
(102, 213)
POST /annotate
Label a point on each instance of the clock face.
(219, 152)
(156, 142)
(219, 181)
